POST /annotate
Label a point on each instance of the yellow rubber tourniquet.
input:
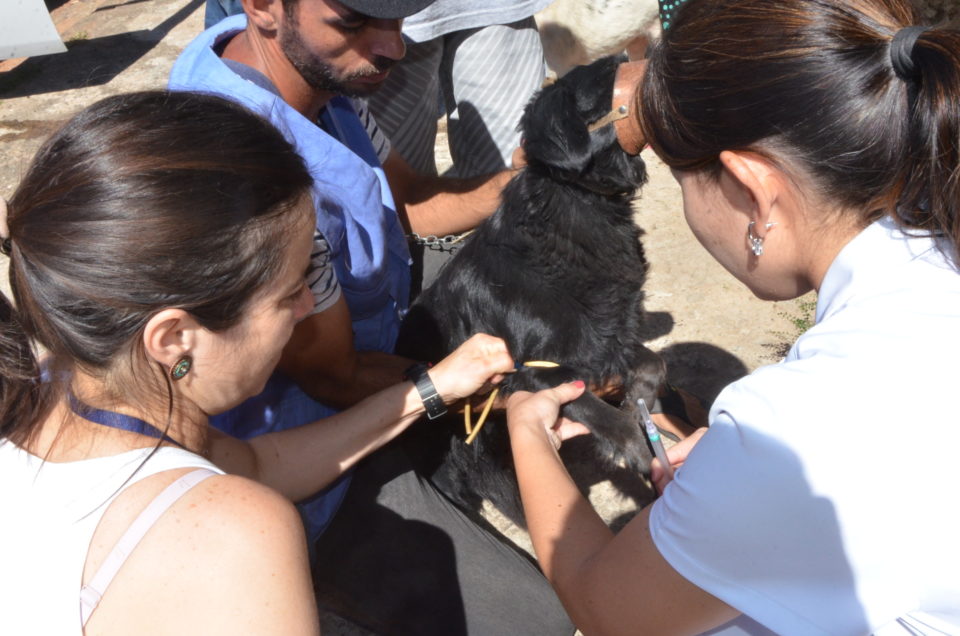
(473, 431)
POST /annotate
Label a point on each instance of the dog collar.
(625, 103)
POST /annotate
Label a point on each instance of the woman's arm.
(610, 584)
(301, 461)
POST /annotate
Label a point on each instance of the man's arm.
(322, 361)
(430, 205)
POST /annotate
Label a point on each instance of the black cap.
(386, 9)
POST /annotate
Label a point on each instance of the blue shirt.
(355, 212)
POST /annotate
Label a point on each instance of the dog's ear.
(554, 133)
(555, 124)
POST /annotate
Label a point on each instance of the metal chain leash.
(448, 243)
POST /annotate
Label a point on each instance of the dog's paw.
(616, 434)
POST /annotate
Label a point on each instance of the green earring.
(181, 368)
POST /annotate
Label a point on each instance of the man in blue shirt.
(298, 62)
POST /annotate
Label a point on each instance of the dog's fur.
(558, 272)
(576, 32)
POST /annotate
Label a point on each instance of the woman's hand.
(480, 361)
(539, 413)
(677, 454)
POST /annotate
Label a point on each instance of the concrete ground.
(705, 324)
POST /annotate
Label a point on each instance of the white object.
(577, 32)
(821, 501)
(50, 511)
(27, 30)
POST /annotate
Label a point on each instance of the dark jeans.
(399, 558)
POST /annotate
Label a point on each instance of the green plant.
(807, 308)
(801, 321)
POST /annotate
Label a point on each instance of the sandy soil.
(705, 324)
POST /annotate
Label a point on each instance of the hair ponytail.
(140, 202)
(929, 196)
(19, 377)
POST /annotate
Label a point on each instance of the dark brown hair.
(140, 202)
(811, 82)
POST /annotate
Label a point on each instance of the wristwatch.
(432, 401)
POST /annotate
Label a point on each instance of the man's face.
(338, 50)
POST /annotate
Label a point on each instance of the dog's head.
(558, 139)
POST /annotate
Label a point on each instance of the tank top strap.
(92, 592)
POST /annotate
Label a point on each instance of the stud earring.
(756, 242)
(181, 368)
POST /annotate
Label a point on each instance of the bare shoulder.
(234, 508)
(230, 556)
(253, 538)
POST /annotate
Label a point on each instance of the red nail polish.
(579, 384)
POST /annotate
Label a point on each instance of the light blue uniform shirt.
(355, 212)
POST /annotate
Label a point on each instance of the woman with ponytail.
(157, 248)
(817, 147)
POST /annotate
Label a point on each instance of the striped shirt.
(321, 279)
(381, 144)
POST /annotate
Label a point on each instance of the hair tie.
(901, 51)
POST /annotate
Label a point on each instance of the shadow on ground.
(92, 62)
(701, 368)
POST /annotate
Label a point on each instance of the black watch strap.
(432, 401)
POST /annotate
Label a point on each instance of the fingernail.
(578, 383)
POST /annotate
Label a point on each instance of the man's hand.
(322, 361)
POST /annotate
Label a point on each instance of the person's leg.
(407, 105)
(487, 76)
(400, 559)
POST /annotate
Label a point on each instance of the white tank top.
(48, 514)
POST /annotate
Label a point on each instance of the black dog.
(557, 272)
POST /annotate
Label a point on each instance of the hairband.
(901, 51)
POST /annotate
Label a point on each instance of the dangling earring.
(181, 368)
(756, 242)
